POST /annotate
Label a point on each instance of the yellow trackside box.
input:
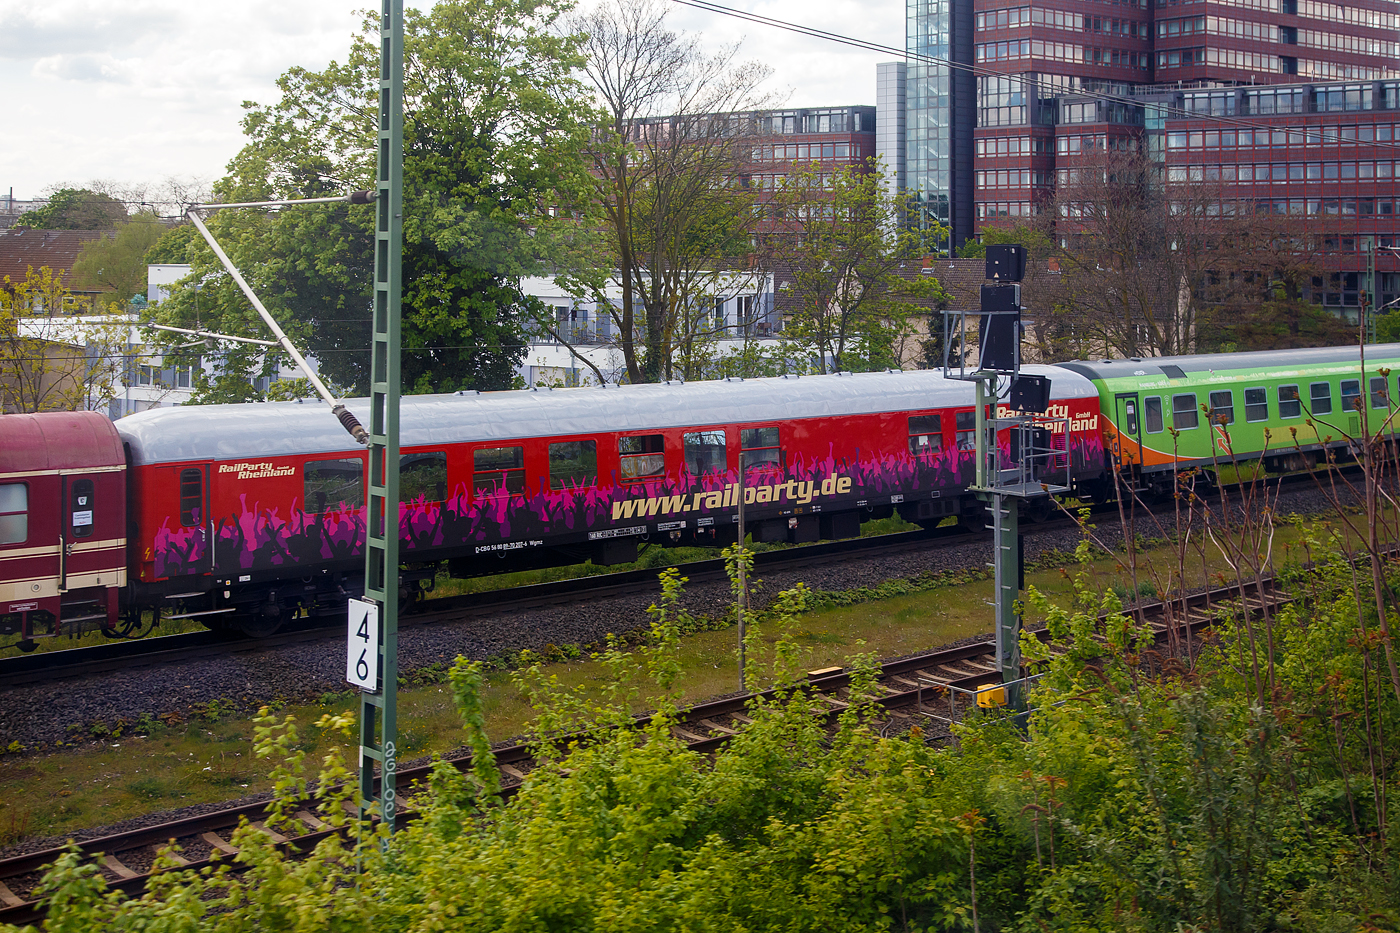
(990, 696)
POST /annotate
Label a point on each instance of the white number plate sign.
(362, 650)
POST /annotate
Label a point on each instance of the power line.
(1309, 136)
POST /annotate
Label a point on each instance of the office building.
(1058, 79)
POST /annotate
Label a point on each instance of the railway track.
(908, 687)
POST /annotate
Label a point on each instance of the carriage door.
(194, 516)
(75, 524)
(190, 536)
(1128, 422)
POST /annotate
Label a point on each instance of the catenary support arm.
(338, 408)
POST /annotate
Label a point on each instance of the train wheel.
(262, 621)
(1038, 510)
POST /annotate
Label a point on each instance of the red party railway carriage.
(249, 515)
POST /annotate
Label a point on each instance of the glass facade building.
(939, 113)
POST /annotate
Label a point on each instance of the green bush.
(1144, 793)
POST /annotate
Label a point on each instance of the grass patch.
(8, 643)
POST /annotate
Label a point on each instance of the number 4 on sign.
(362, 647)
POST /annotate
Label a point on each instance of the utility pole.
(379, 709)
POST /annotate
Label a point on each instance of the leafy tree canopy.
(843, 259)
(494, 124)
(76, 209)
(173, 247)
(118, 264)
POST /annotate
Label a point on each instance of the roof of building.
(225, 432)
(23, 247)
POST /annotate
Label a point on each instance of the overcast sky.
(139, 90)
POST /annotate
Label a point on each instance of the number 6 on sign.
(362, 647)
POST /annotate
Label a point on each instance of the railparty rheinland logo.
(261, 470)
(794, 492)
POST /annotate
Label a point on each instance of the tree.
(51, 360)
(1131, 254)
(75, 209)
(1257, 293)
(1156, 267)
(493, 125)
(838, 250)
(667, 186)
(174, 246)
(118, 264)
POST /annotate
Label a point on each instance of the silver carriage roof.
(224, 432)
(1256, 360)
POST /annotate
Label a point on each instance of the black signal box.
(1006, 262)
(1030, 393)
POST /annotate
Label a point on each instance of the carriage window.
(1351, 394)
(966, 423)
(642, 457)
(573, 464)
(1256, 405)
(925, 434)
(704, 452)
(498, 468)
(760, 449)
(191, 498)
(1152, 414)
(423, 476)
(1320, 397)
(14, 513)
(332, 485)
(1130, 419)
(1289, 404)
(1379, 398)
(1222, 407)
(1184, 414)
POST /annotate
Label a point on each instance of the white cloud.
(143, 89)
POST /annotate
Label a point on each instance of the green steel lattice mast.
(379, 711)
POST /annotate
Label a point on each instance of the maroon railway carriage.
(62, 523)
(248, 515)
